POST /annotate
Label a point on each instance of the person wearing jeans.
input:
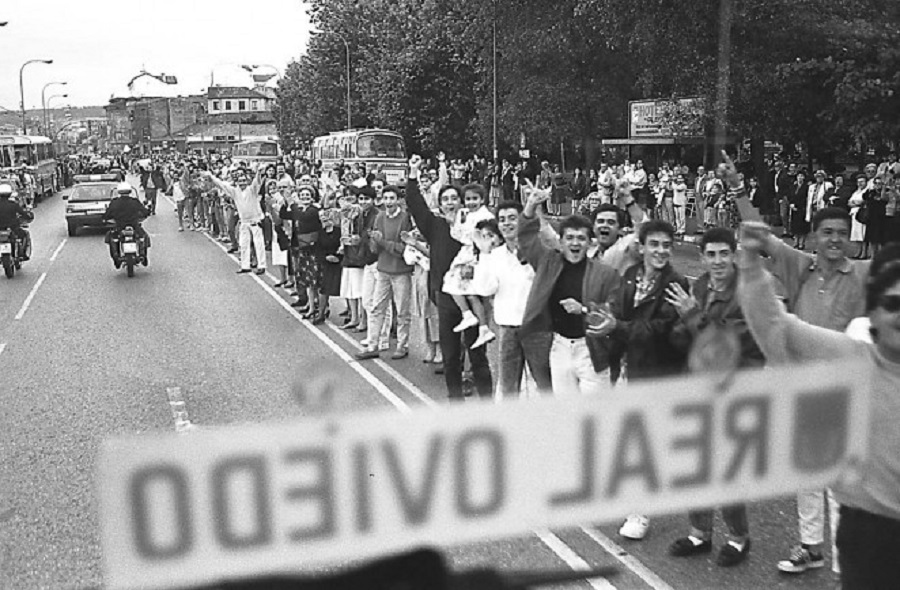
(710, 303)
(501, 274)
(393, 280)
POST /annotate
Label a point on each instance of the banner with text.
(274, 498)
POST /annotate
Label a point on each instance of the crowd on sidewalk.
(590, 301)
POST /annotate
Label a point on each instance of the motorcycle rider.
(11, 216)
(126, 210)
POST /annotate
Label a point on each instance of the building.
(232, 104)
(154, 113)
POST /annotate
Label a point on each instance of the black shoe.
(439, 369)
(144, 261)
(244, 271)
(260, 271)
(730, 555)
(686, 546)
(365, 355)
(301, 305)
(233, 251)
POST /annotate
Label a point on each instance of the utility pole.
(723, 79)
(494, 62)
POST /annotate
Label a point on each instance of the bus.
(263, 151)
(37, 153)
(367, 147)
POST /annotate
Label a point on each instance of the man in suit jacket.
(567, 298)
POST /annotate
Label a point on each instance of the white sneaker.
(468, 321)
(635, 527)
(364, 343)
(484, 336)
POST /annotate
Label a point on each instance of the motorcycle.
(12, 252)
(130, 249)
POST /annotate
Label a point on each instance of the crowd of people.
(591, 300)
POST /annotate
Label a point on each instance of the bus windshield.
(252, 150)
(380, 146)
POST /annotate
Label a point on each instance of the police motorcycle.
(14, 248)
(128, 242)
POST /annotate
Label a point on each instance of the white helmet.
(6, 190)
(123, 188)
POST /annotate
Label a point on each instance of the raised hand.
(728, 171)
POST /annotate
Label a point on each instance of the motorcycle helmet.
(6, 191)
(123, 188)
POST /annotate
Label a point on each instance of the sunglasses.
(889, 303)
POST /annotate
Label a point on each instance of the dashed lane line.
(27, 303)
(2, 347)
(572, 559)
(631, 562)
(58, 249)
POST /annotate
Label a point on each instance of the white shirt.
(246, 202)
(500, 274)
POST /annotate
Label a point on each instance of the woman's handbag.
(862, 214)
(307, 240)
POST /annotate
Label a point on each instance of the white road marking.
(2, 347)
(554, 543)
(409, 385)
(58, 249)
(572, 559)
(371, 379)
(31, 295)
(628, 560)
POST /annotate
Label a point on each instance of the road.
(88, 353)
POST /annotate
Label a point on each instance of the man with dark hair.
(612, 246)
(826, 290)
(435, 228)
(711, 303)
(644, 321)
(570, 298)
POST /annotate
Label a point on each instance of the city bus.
(37, 154)
(367, 147)
(262, 151)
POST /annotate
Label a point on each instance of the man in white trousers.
(246, 200)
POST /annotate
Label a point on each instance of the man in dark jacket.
(569, 297)
(126, 210)
(436, 231)
(710, 305)
(644, 321)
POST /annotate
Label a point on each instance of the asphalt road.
(87, 353)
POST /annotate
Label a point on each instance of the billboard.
(666, 118)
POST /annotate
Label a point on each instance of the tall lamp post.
(44, 102)
(56, 96)
(22, 88)
(347, 47)
(494, 63)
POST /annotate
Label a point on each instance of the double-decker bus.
(37, 154)
(367, 147)
(263, 151)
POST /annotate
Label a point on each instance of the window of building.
(227, 105)
(215, 105)
(242, 105)
(254, 105)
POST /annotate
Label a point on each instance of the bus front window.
(380, 146)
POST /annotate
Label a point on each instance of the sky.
(97, 46)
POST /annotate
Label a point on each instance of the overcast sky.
(97, 46)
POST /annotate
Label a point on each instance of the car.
(87, 202)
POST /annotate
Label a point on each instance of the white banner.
(274, 498)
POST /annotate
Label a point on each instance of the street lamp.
(22, 89)
(44, 101)
(347, 47)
